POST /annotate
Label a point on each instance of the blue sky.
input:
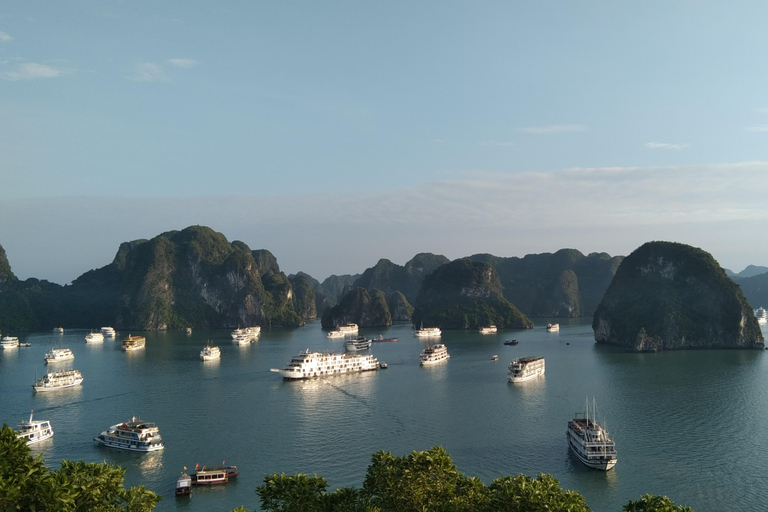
(337, 133)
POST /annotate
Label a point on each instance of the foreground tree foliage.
(27, 484)
(428, 481)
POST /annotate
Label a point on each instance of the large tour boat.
(9, 342)
(108, 332)
(590, 442)
(210, 352)
(491, 329)
(133, 342)
(52, 381)
(249, 333)
(57, 355)
(434, 354)
(135, 435)
(336, 334)
(381, 339)
(242, 339)
(359, 343)
(213, 475)
(94, 337)
(553, 327)
(349, 328)
(428, 332)
(34, 431)
(762, 316)
(525, 368)
(308, 365)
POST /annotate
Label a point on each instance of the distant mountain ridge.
(195, 277)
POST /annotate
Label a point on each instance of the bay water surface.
(692, 425)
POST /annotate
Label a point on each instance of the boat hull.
(601, 464)
(290, 375)
(131, 447)
(526, 378)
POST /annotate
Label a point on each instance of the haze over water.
(687, 424)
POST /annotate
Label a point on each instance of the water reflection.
(151, 466)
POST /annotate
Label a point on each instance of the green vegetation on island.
(563, 284)
(466, 294)
(193, 277)
(359, 306)
(668, 295)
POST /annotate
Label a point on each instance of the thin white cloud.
(148, 72)
(5, 37)
(31, 71)
(183, 63)
(497, 143)
(758, 128)
(763, 110)
(664, 145)
(554, 128)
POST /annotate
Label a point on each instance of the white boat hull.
(601, 464)
(526, 378)
(132, 447)
(40, 389)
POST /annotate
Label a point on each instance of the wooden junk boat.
(206, 475)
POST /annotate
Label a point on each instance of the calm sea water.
(689, 424)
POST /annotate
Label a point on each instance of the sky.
(337, 133)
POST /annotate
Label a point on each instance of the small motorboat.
(494, 357)
(184, 485)
(383, 366)
(510, 342)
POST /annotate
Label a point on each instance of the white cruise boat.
(428, 332)
(134, 435)
(250, 332)
(553, 327)
(94, 337)
(336, 334)
(133, 342)
(491, 329)
(525, 368)
(9, 342)
(53, 381)
(108, 332)
(359, 343)
(210, 352)
(762, 316)
(308, 365)
(349, 328)
(434, 354)
(34, 431)
(590, 442)
(242, 339)
(57, 355)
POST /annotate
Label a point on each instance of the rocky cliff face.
(390, 277)
(755, 289)
(465, 294)
(360, 306)
(562, 284)
(399, 307)
(304, 298)
(193, 277)
(673, 296)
